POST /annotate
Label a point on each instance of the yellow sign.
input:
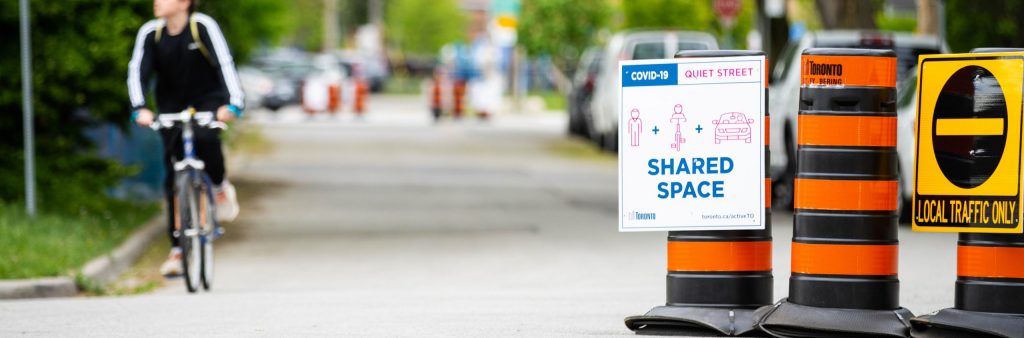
(967, 168)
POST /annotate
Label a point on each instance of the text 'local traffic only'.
(691, 144)
(967, 165)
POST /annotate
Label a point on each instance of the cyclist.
(194, 68)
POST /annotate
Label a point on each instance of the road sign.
(691, 144)
(968, 157)
(727, 9)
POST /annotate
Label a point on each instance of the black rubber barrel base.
(695, 321)
(719, 289)
(785, 319)
(959, 323)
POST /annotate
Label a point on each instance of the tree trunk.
(927, 17)
(847, 14)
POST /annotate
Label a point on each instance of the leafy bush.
(80, 51)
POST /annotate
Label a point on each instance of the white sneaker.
(172, 266)
(227, 201)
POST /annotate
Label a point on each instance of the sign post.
(691, 151)
(26, 94)
(968, 159)
(727, 11)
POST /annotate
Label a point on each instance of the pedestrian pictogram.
(968, 158)
(636, 127)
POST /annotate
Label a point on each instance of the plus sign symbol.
(655, 130)
(699, 129)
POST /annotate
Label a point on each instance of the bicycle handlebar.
(203, 119)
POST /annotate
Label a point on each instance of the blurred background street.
(408, 167)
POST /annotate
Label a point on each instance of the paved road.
(394, 226)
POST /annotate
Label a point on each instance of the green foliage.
(420, 27)
(678, 14)
(247, 24)
(988, 24)
(695, 15)
(80, 51)
(545, 28)
(895, 23)
(303, 23)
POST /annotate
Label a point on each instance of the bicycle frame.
(190, 164)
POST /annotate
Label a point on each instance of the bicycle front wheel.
(188, 230)
(209, 229)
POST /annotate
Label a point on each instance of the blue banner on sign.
(650, 75)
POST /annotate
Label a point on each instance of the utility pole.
(26, 94)
(330, 42)
(375, 12)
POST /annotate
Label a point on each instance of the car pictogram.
(732, 126)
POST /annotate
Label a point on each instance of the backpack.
(194, 28)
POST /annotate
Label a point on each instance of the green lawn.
(57, 245)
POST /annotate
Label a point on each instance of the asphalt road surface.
(392, 225)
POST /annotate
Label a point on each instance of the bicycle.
(196, 225)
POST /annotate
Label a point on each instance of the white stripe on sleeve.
(135, 93)
(227, 64)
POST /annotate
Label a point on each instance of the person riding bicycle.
(194, 68)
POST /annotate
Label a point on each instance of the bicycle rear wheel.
(188, 231)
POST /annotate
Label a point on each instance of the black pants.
(208, 149)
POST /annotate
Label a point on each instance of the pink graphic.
(732, 126)
(636, 127)
(677, 118)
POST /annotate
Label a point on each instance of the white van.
(632, 45)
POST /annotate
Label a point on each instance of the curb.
(38, 288)
(100, 270)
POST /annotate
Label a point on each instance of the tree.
(695, 15)
(545, 28)
(80, 51)
(848, 14)
(248, 24)
(422, 27)
(678, 14)
(989, 24)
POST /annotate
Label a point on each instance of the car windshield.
(649, 50)
(692, 46)
(906, 60)
(908, 89)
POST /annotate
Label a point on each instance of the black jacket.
(184, 76)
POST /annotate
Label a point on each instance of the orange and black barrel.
(435, 97)
(361, 92)
(459, 93)
(990, 267)
(334, 98)
(724, 269)
(845, 222)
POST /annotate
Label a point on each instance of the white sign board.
(691, 144)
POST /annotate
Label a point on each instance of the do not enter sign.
(968, 158)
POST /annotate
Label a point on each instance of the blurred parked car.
(583, 91)
(632, 45)
(784, 90)
(287, 70)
